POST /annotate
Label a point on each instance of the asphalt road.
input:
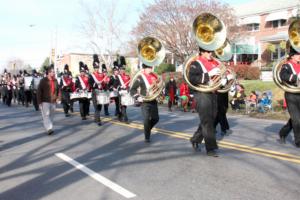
(113, 161)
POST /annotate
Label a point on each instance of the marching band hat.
(96, 61)
(86, 68)
(81, 67)
(122, 62)
(116, 66)
(66, 67)
(34, 71)
(292, 51)
(146, 66)
(201, 50)
(103, 66)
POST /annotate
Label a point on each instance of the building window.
(278, 23)
(278, 53)
(252, 27)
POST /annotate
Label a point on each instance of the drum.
(27, 82)
(36, 82)
(127, 100)
(102, 98)
(74, 95)
(80, 95)
(113, 94)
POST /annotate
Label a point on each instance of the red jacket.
(184, 90)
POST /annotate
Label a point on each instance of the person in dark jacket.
(290, 74)
(170, 91)
(47, 95)
(149, 108)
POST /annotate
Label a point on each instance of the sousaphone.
(210, 34)
(294, 42)
(151, 52)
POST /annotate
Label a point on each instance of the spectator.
(47, 95)
(263, 102)
(184, 95)
(171, 92)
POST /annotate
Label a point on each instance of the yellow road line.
(224, 144)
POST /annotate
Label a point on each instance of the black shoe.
(67, 115)
(281, 140)
(71, 110)
(106, 114)
(147, 140)
(297, 145)
(212, 153)
(50, 132)
(83, 118)
(195, 145)
(223, 133)
(99, 123)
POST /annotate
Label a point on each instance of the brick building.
(266, 24)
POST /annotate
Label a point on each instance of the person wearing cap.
(106, 80)
(290, 73)
(149, 108)
(124, 87)
(96, 81)
(114, 85)
(33, 89)
(202, 71)
(27, 92)
(47, 95)
(82, 83)
(66, 86)
(20, 80)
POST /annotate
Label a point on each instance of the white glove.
(121, 92)
(140, 99)
(229, 77)
(214, 72)
(223, 81)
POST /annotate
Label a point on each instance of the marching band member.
(96, 81)
(47, 95)
(82, 83)
(15, 90)
(290, 73)
(149, 109)
(106, 80)
(201, 71)
(27, 92)
(124, 86)
(114, 85)
(33, 89)
(20, 84)
(66, 87)
(9, 90)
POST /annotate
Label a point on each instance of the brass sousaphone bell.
(294, 42)
(151, 52)
(210, 33)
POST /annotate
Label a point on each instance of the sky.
(30, 28)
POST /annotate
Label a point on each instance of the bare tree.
(104, 28)
(171, 21)
(14, 65)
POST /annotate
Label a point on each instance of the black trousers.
(151, 117)
(65, 100)
(124, 116)
(97, 107)
(34, 100)
(117, 103)
(207, 110)
(8, 99)
(27, 97)
(21, 96)
(84, 106)
(286, 129)
(293, 104)
(222, 101)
